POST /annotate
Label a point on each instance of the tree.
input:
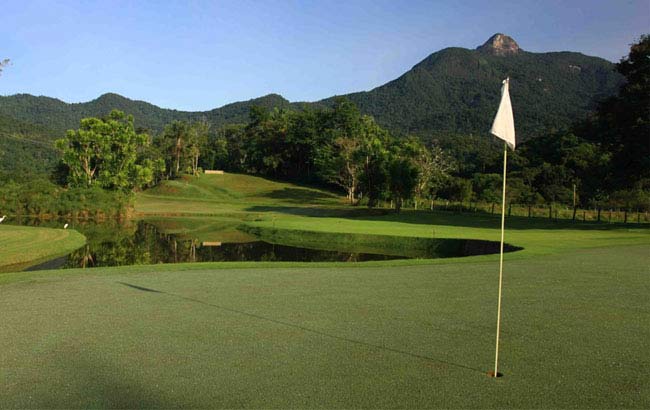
(175, 138)
(433, 165)
(622, 122)
(339, 160)
(458, 189)
(231, 147)
(373, 155)
(403, 177)
(487, 187)
(104, 152)
(345, 165)
(197, 139)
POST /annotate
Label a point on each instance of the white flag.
(504, 124)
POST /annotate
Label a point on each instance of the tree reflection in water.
(113, 244)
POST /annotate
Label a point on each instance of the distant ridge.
(454, 90)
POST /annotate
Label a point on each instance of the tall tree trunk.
(351, 195)
(178, 155)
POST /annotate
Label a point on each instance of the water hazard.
(153, 242)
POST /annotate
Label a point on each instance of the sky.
(199, 55)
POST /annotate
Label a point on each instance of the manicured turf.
(575, 334)
(402, 334)
(22, 246)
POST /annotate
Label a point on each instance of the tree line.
(598, 163)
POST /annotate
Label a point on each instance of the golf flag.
(504, 128)
(504, 123)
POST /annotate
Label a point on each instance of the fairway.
(575, 335)
(22, 246)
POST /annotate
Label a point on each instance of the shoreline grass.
(25, 246)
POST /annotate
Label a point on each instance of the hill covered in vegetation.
(457, 90)
(55, 117)
(454, 90)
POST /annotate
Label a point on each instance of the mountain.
(57, 116)
(454, 90)
(457, 90)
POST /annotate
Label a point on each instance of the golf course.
(402, 333)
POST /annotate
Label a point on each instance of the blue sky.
(198, 55)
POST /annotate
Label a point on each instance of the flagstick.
(503, 223)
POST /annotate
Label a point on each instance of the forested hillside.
(457, 91)
(454, 90)
(25, 147)
(55, 116)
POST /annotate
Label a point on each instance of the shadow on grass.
(300, 196)
(304, 329)
(93, 382)
(444, 218)
(321, 212)
(142, 288)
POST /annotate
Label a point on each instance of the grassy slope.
(271, 205)
(22, 246)
(382, 334)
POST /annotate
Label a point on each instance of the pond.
(174, 241)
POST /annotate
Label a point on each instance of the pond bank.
(24, 246)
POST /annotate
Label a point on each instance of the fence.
(555, 212)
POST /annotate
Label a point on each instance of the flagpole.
(503, 224)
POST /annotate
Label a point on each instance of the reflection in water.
(111, 243)
(114, 244)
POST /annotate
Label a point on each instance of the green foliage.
(454, 90)
(58, 116)
(104, 152)
(25, 148)
(37, 196)
(621, 124)
(445, 100)
(403, 180)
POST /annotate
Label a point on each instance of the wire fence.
(553, 212)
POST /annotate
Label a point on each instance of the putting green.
(575, 332)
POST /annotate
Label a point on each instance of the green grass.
(394, 334)
(261, 204)
(227, 193)
(23, 246)
(575, 332)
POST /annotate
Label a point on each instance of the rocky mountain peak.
(500, 45)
